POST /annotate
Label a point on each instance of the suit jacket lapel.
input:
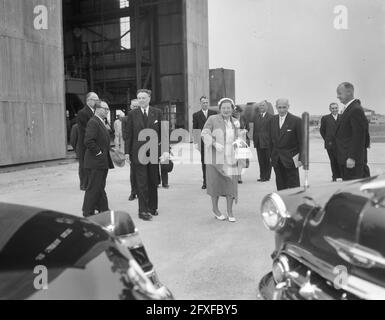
(151, 117)
(203, 117)
(140, 117)
(343, 115)
(103, 128)
(284, 126)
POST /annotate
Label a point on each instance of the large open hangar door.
(114, 47)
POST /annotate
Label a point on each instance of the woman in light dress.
(220, 133)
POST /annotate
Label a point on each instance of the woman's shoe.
(232, 219)
(221, 218)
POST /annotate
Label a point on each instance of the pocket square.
(156, 121)
(288, 130)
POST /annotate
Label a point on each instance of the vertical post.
(103, 51)
(305, 146)
(138, 49)
(153, 55)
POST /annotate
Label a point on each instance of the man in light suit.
(351, 135)
(261, 136)
(82, 119)
(286, 146)
(328, 132)
(145, 162)
(97, 159)
(199, 120)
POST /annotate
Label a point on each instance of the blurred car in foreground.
(50, 255)
(330, 241)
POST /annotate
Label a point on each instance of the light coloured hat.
(119, 113)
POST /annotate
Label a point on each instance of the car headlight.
(274, 213)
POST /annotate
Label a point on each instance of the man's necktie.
(145, 116)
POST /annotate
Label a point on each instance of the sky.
(291, 49)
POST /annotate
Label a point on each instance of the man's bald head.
(92, 98)
(345, 92)
(282, 107)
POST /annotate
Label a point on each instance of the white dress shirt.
(282, 120)
(145, 111)
(205, 112)
(335, 116)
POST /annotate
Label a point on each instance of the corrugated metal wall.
(32, 112)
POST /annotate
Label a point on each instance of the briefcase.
(168, 167)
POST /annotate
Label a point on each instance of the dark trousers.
(366, 167)
(163, 175)
(264, 163)
(83, 173)
(95, 197)
(351, 174)
(133, 180)
(286, 177)
(203, 162)
(147, 179)
(334, 164)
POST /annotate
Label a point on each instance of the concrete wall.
(222, 85)
(32, 116)
(197, 54)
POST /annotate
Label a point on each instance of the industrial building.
(52, 52)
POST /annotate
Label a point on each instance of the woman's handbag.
(168, 167)
(242, 150)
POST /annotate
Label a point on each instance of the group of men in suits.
(347, 136)
(276, 138)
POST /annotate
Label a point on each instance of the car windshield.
(33, 242)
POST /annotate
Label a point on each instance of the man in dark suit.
(142, 123)
(261, 136)
(82, 119)
(328, 132)
(74, 139)
(199, 120)
(286, 146)
(97, 159)
(134, 194)
(351, 134)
